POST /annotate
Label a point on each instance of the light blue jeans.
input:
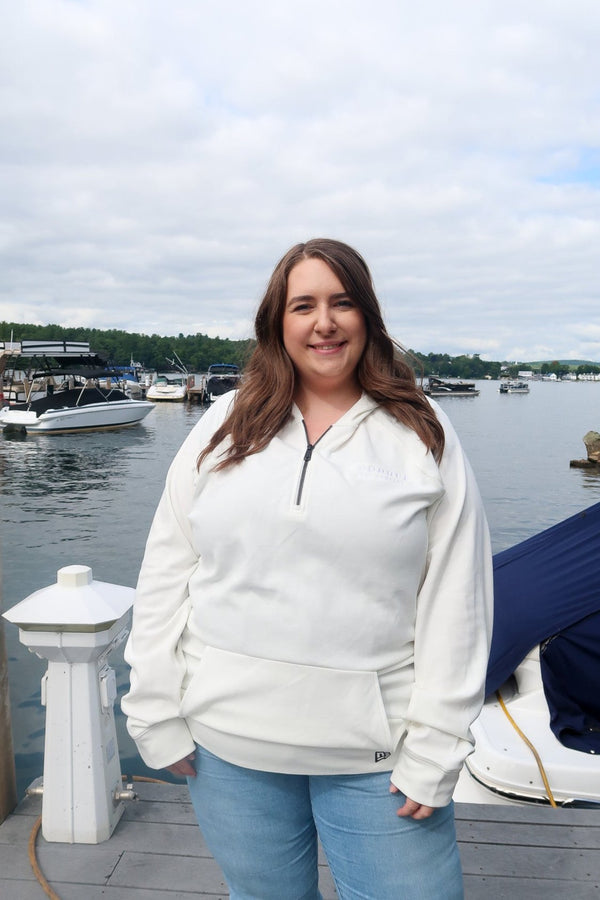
(262, 829)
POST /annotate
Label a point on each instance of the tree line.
(198, 352)
(446, 366)
(472, 366)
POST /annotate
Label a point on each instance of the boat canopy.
(78, 362)
(80, 371)
(45, 348)
(547, 592)
(223, 369)
(56, 359)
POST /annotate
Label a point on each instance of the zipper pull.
(308, 453)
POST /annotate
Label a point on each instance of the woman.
(311, 626)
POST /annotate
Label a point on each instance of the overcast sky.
(159, 156)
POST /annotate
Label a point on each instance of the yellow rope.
(538, 760)
(34, 863)
(32, 845)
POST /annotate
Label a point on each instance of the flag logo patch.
(381, 754)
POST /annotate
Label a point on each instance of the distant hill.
(565, 362)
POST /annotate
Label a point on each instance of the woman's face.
(324, 331)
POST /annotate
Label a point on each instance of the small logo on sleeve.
(381, 754)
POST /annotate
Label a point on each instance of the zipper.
(307, 458)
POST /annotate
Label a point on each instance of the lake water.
(89, 500)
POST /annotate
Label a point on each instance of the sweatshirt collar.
(351, 419)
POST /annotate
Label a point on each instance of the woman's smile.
(328, 348)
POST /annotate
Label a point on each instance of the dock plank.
(490, 888)
(135, 870)
(157, 853)
(536, 815)
(25, 890)
(79, 892)
(531, 862)
(67, 862)
(519, 834)
(14, 865)
(158, 837)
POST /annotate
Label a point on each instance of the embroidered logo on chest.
(378, 473)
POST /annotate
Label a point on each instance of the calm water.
(89, 499)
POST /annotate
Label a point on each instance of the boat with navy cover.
(221, 378)
(75, 389)
(537, 739)
(127, 378)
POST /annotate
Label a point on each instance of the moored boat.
(126, 378)
(171, 386)
(221, 378)
(168, 387)
(537, 739)
(437, 387)
(513, 387)
(75, 390)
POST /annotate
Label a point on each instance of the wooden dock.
(196, 389)
(156, 853)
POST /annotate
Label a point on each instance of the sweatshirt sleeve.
(452, 636)
(161, 609)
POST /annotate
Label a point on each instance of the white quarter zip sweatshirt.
(317, 610)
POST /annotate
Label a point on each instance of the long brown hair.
(264, 399)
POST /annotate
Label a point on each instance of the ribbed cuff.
(163, 744)
(422, 781)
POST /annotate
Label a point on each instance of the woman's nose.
(325, 320)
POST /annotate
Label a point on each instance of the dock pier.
(156, 851)
(196, 390)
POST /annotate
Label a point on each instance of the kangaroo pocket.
(286, 703)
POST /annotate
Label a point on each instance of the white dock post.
(75, 624)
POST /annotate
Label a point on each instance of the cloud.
(157, 161)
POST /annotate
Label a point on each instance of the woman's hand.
(183, 768)
(411, 807)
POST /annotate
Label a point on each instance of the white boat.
(537, 739)
(170, 386)
(79, 390)
(517, 759)
(514, 387)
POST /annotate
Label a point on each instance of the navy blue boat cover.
(547, 592)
